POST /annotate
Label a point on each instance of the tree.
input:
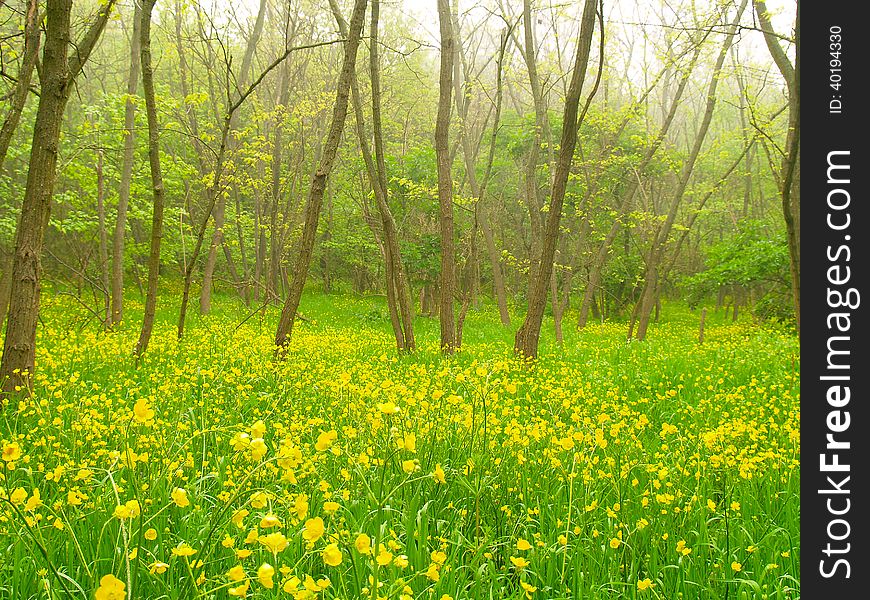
(58, 74)
(156, 178)
(789, 176)
(656, 253)
(398, 295)
(318, 183)
(447, 281)
(126, 171)
(526, 339)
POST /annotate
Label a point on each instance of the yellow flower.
(314, 529)
(519, 562)
(142, 412)
(523, 544)
(75, 498)
(644, 584)
(735, 506)
(111, 588)
(259, 499)
(274, 542)
(258, 429)
(528, 587)
(332, 555)
(401, 561)
(158, 567)
(240, 441)
(179, 496)
(736, 566)
(432, 572)
(388, 407)
(11, 451)
(325, 440)
(270, 521)
(711, 505)
(438, 557)
(438, 474)
(35, 501)
(237, 573)
(258, 448)
(615, 542)
(363, 544)
(18, 495)
(183, 550)
(330, 507)
(408, 466)
(265, 574)
(300, 506)
(384, 557)
(240, 591)
(253, 536)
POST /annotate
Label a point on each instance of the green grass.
(676, 434)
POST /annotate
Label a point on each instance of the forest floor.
(607, 469)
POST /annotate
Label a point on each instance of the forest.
(415, 298)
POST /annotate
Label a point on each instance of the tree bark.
(126, 172)
(527, 336)
(156, 179)
(318, 183)
(58, 75)
(32, 35)
(445, 182)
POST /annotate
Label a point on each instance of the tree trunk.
(318, 183)
(395, 268)
(497, 274)
(651, 276)
(32, 35)
(531, 167)
(104, 241)
(445, 182)
(58, 74)
(273, 277)
(526, 340)
(156, 179)
(790, 172)
(126, 173)
(626, 203)
(479, 190)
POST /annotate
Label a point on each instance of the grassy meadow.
(607, 469)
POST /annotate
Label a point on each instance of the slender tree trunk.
(126, 172)
(104, 240)
(398, 294)
(395, 267)
(651, 276)
(527, 336)
(318, 183)
(58, 74)
(445, 181)
(790, 172)
(156, 179)
(219, 215)
(626, 203)
(275, 190)
(32, 35)
(497, 273)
